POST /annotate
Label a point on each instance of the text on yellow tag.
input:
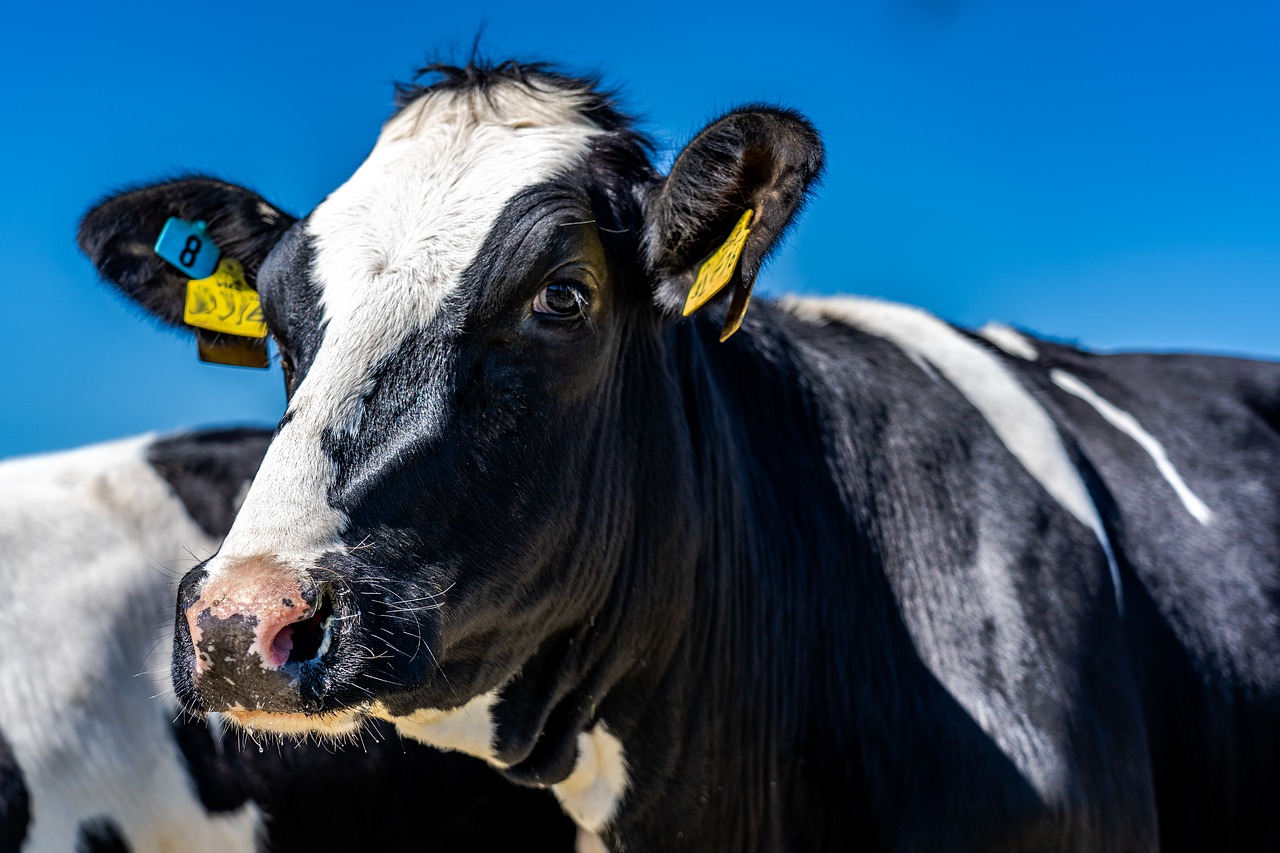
(224, 302)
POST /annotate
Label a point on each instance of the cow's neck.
(771, 607)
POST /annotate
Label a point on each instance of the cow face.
(481, 495)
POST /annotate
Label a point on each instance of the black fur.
(15, 801)
(208, 470)
(798, 575)
(381, 795)
(599, 105)
(761, 158)
(291, 305)
(120, 232)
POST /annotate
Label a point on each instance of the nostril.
(306, 639)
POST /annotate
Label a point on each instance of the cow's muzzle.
(259, 632)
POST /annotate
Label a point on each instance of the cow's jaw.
(468, 729)
(590, 795)
(338, 726)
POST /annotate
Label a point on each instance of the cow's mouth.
(333, 724)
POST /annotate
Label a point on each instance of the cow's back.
(1084, 551)
(1185, 452)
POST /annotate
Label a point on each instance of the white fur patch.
(1019, 421)
(1009, 340)
(92, 543)
(1129, 425)
(390, 246)
(981, 670)
(468, 729)
(589, 842)
(598, 782)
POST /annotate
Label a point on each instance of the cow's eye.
(561, 300)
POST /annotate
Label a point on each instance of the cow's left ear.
(119, 236)
(730, 196)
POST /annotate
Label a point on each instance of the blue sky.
(1104, 172)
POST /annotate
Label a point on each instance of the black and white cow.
(851, 577)
(92, 542)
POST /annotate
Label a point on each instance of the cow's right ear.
(119, 235)
(730, 196)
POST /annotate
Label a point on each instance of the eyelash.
(580, 295)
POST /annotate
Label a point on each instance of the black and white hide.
(94, 753)
(852, 578)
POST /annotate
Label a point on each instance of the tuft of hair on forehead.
(536, 93)
(492, 84)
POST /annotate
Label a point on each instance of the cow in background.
(94, 753)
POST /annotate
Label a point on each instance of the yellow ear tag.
(737, 310)
(234, 350)
(224, 302)
(716, 270)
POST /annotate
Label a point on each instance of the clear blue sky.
(1107, 172)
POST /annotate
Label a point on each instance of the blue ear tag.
(188, 246)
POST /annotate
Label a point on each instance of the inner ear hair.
(119, 234)
(759, 158)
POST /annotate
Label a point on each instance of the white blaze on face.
(390, 246)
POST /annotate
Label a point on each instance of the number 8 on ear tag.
(188, 246)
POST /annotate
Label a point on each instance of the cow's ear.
(730, 195)
(120, 233)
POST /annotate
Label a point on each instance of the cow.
(552, 490)
(91, 759)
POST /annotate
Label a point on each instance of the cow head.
(478, 515)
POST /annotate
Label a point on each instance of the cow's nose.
(258, 612)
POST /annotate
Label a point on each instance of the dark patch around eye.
(539, 229)
(291, 299)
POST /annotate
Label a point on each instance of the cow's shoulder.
(1186, 448)
(990, 544)
(1182, 450)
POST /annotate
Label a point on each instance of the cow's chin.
(334, 725)
(468, 728)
